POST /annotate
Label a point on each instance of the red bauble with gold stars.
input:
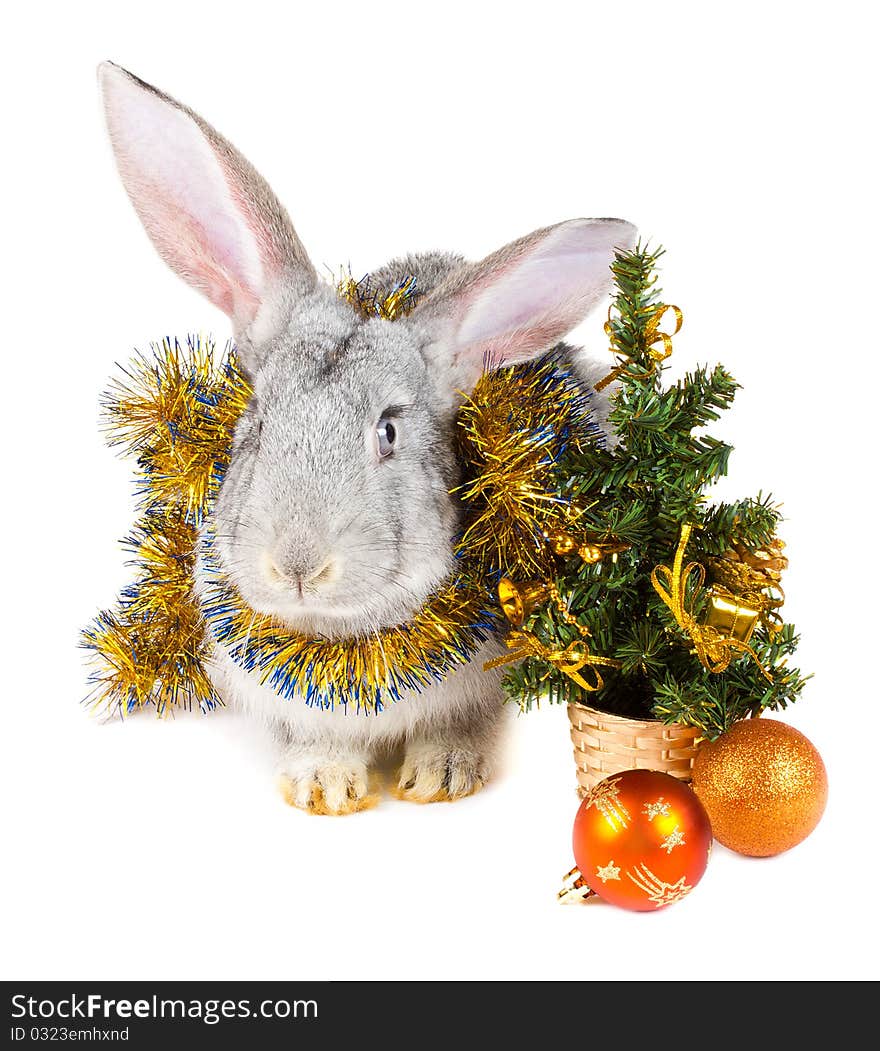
(641, 839)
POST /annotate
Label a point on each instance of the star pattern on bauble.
(657, 890)
(659, 808)
(607, 872)
(674, 839)
(605, 797)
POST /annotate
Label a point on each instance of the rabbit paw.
(326, 786)
(437, 773)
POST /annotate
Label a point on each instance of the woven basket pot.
(608, 744)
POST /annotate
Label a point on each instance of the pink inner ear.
(201, 260)
(267, 243)
(511, 347)
(529, 306)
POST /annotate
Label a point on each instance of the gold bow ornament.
(714, 647)
(658, 344)
(518, 602)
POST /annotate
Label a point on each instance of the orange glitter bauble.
(641, 839)
(763, 785)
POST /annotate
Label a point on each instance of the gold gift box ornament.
(730, 616)
(747, 590)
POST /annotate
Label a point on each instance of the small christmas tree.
(663, 605)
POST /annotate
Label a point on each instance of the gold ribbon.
(658, 344)
(714, 649)
(569, 661)
(517, 601)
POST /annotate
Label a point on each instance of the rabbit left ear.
(210, 215)
(520, 301)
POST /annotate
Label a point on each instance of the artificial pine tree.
(631, 505)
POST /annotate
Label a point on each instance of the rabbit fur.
(317, 523)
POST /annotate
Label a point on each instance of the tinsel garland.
(367, 672)
(175, 410)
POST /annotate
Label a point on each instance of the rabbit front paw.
(434, 773)
(322, 785)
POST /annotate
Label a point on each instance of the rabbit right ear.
(521, 300)
(211, 216)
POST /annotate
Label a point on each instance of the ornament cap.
(574, 889)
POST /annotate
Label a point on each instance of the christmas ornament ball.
(641, 839)
(763, 785)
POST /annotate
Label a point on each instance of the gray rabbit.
(335, 515)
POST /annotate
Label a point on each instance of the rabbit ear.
(212, 218)
(521, 300)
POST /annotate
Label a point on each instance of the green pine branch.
(752, 522)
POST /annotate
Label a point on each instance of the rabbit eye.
(386, 435)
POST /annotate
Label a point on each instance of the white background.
(738, 135)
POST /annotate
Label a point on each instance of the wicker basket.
(608, 744)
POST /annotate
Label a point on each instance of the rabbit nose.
(298, 575)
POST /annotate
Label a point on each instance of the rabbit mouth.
(338, 608)
(299, 583)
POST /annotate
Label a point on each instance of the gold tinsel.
(175, 411)
(153, 647)
(515, 426)
(370, 301)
